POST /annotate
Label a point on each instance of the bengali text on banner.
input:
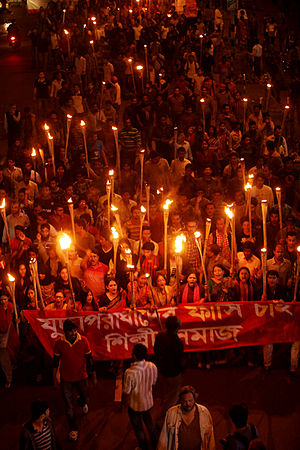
(208, 326)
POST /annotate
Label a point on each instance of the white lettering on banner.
(261, 310)
(51, 324)
(146, 336)
(141, 337)
(231, 307)
(205, 312)
(91, 319)
(138, 318)
(222, 333)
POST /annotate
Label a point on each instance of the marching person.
(137, 392)
(38, 432)
(188, 425)
(73, 358)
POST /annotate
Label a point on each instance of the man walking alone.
(137, 389)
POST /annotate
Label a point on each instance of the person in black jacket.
(39, 431)
(168, 351)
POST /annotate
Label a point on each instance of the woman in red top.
(244, 288)
(192, 291)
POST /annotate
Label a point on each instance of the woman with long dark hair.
(244, 288)
(88, 302)
(191, 291)
(113, 298)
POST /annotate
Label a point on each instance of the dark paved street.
(273, 399)
(273, 402)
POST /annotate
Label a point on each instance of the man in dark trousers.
(168, 351)
(73, 353)
(139, 379)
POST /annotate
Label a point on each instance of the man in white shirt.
(187, 425)
(137, 391)
(262, 192)
(15, 218)
(108, 70)
(281, 265)
(257, 51)
(182, 143)
(247, 259)
(178, 166)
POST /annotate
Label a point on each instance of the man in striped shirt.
(39, 432)
(137, 391)
(130, 140)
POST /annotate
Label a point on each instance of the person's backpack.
(240, 438)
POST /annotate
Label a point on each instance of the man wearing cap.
(73, 357)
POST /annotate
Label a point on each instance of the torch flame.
(167, 204)
(269, 86)
(65, 241)
(82, 123)
(113, 208)
(91, 42)
(228, 211)
(197, 234)
(278, 189)
(286, 107)
(130, 266)
(66, 32)
(127, 251)
(10, 277)
(33, 153)
(70, 201)
(69, 116)
(143, 210)
(139, 67)
(114, 232)
(111, 173)
(298, 249)
(179, 243)
(263, 250)
(202, 100)
(50, 137)
(247, 187)
(46, 127)
(2, 206)
(245, 99)
(114, 128)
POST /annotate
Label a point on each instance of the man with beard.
(187, 425)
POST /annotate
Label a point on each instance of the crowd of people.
(133, 106)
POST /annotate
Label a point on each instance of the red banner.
(204, 327)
